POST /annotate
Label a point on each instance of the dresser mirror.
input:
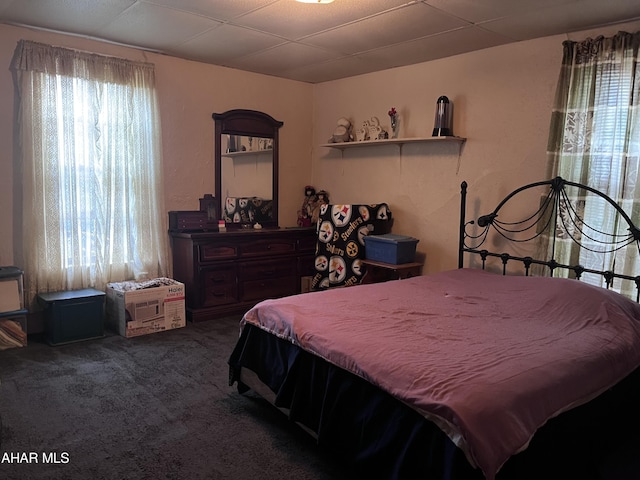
(246, 168)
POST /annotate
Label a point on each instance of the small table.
(382, 272)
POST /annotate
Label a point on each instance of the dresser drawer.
(256, 290)
(307, 244)
(272, 246)
(267, 269)
(217, 251)
(227, 272)
(219, 285)
(306, 266)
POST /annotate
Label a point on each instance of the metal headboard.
(546, 219)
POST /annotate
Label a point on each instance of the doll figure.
(308, 205)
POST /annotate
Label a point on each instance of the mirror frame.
(250, 123)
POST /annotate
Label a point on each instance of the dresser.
(229, 272)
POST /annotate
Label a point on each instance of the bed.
(471, 373)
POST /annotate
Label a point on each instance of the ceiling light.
(314, 1)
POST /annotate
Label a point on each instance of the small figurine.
(362, 133)
(322, 198)
(308, 205)
(375, 131)
(342, 133)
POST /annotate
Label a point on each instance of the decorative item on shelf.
(342, 133)
(265, 144)
(232, 143)
(362, 133)
(442, 126)
(374, 130)
(395, 122)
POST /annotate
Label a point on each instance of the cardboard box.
(141, 311)
(390, 248)
(305, 284)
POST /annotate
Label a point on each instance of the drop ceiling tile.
(436, 46)
(216, 9)
(564, 19)
(478, 11)
(281, 58)
(156, 27)
(403, 24)
(225, 43)
(77, 16)
(4, 4)
(349, 66)
(294, 20)
(328, 40)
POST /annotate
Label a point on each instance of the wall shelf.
(394, 141)
(247, 153)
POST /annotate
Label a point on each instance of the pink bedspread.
(488, 358)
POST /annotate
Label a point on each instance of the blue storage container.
(390, 248)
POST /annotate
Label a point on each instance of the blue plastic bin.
(390, 248)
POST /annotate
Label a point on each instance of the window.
(92, 169)
(595, 140)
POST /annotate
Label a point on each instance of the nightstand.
(382, 272)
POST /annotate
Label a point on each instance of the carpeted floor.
(151, 407)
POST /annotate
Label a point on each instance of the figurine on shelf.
(374, 130)
(393, 116)
(308, 205)
(342, 133)
(362, 133)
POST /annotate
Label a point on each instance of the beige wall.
(502, 104)
(189, 92)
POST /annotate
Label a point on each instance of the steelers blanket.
(340, 247)
(247, 210)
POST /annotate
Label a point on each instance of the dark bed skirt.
(381, 437)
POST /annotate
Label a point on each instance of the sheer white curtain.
(89, 131)
(595, 140)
